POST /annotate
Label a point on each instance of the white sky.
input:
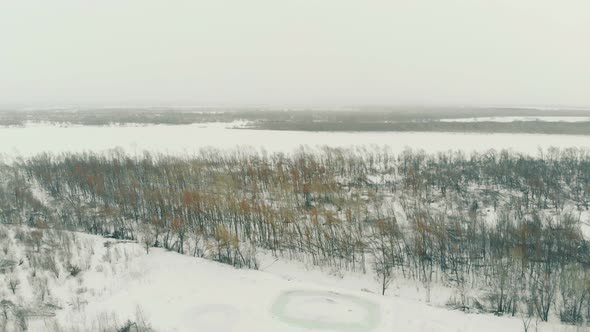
(295, 52)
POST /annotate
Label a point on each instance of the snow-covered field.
(173, 292)
(521, 118)
(30, 140)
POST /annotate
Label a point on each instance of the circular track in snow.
(324, 310)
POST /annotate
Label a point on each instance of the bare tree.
(147, 237)
(13, 284)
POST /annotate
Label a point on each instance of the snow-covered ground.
(585, 223)
(173, 292)
(176, 139)
(521, 118)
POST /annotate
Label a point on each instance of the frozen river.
(33, 139)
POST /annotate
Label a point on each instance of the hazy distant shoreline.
(397, 120)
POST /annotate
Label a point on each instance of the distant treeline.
(529, 127)
(362, 119)
(502, 229)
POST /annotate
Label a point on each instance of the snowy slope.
(118, 281)
(181, 293)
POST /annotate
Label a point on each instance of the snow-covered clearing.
(187, 139)
(173, 292)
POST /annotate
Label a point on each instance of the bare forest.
(506, 224)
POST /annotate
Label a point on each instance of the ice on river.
(177, 139)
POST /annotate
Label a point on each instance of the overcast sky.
(295, 52)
